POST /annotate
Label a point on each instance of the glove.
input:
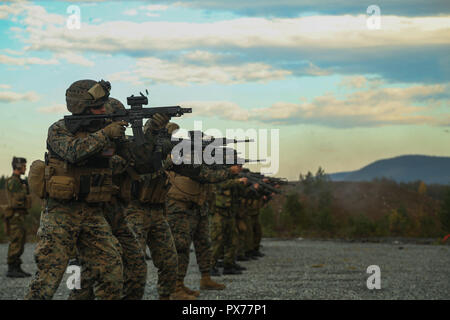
(158, 121)
(115, 130)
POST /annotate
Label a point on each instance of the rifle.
(218, 141)
(253, 179)
(134, 116)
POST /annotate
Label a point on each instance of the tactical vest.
(16, 200)
(224, 197)
(253, 206)
(91, 182)
(185, 189)
(150, 188)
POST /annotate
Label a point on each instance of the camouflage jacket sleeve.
(229, 184)
(214, 176)
(74, 149)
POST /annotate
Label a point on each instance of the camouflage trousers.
(245, 234)
(149, 224)
(65, 225)
(224, 236)
(189, 223)
(16, 237)
(256, 231)
(134, 266)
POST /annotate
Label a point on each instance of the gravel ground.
(305, 269)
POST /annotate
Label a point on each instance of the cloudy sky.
(341, 94)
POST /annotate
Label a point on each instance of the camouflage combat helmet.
(84, 94)
(113, 105)
(18, 162)
(171, 127)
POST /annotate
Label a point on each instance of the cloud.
(75, 59)
(358, 82)
(14, 52)
(181, 74)
(149, 10)
(221, 109)
(318, 32)
(371, 107)
(292, 8)
(130, 12)
(9, 96)
(311, 45)
(5, 86)
(25, 61)
(12, 9)
(56, 108)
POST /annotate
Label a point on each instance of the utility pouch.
(153, 190)
(36, 179)
(61, 187)
(101, 188)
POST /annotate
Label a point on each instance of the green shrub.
(444, 214)
(362, 226)
(267, 219)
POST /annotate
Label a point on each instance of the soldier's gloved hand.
(158, 121)
(115, 130)
(244, 180)
(167, 163)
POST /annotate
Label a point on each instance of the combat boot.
(230, 269)
(206, 283)
(215, 272)
(14, 271)
(239, 267)
(190, 292)
(258, 253)
(219, 263)
(242, 258)
(180, 294)
(250, 255)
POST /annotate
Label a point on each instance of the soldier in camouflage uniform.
(78, 182)
(223, 231)
(254, 231)
(255, 226)
(134, 266)
(188, 219)
(243, 226)
(145, 213)
(19, 201)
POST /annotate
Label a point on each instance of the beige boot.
(180, 294)
(206, 283)
(190, 292)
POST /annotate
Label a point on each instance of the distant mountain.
(406, 168)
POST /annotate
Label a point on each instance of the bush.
(324, 221)
(400, 223)
(428, 226)
(444, 214)
(362, 226)
(267, 219)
